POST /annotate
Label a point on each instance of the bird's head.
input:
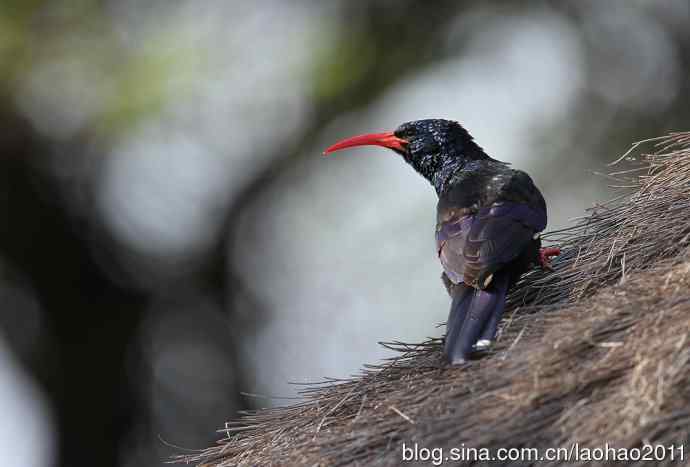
(434, 147)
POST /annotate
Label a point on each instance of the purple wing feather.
(451, 236)
(472, 245)
(533, 218)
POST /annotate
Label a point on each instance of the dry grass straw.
(598, 351)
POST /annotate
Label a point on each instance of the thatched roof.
(598, 351)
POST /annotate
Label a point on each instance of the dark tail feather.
(474, 315)
(462, 297)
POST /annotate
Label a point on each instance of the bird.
(488, 222)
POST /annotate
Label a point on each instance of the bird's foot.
(545, 255)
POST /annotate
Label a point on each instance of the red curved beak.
(387, 140)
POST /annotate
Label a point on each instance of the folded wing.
(473, 244)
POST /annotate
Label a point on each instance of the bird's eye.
(404, 133)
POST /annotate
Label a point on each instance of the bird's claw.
(545, 255)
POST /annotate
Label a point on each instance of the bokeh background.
(171, 240)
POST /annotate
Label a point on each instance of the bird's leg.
(545, 255)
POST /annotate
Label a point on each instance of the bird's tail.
(474, 317)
